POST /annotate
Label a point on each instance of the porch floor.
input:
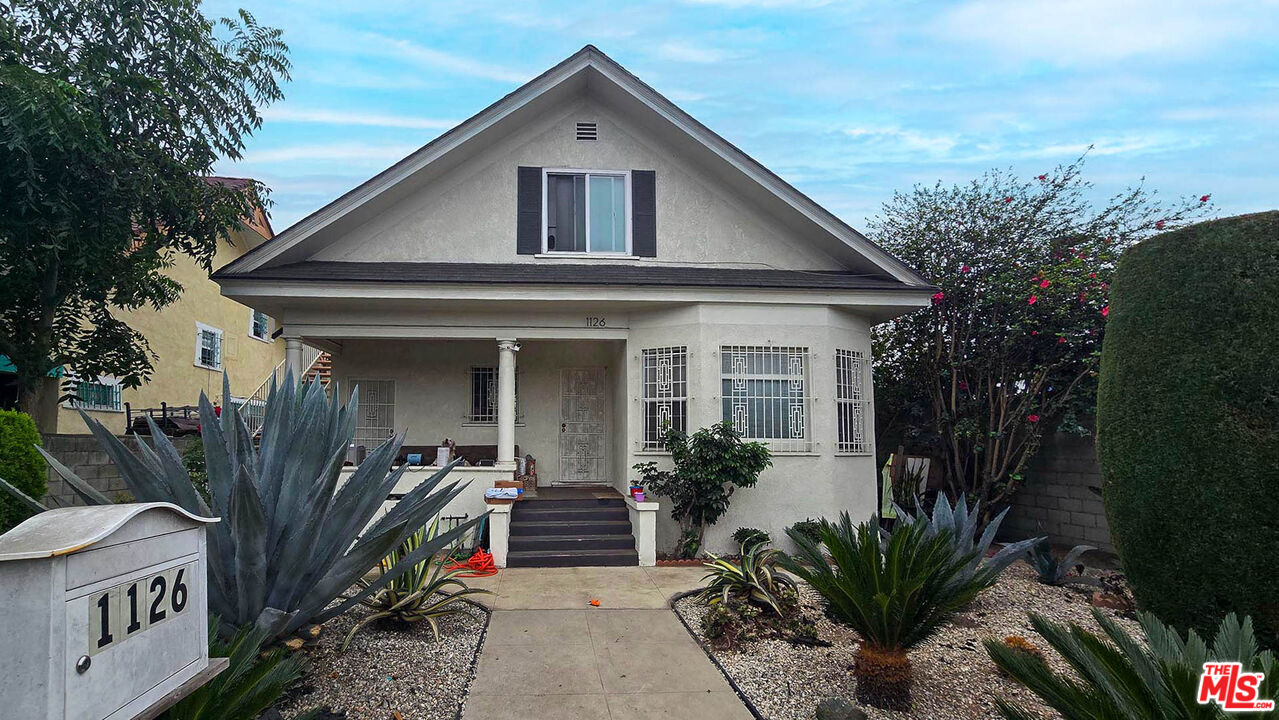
(581, 492)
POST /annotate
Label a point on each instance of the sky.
(847, 100)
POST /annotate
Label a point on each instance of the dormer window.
(587, 211)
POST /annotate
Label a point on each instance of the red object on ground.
(480, 565)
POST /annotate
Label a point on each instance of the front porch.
(553, 411)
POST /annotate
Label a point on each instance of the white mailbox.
(103, 612)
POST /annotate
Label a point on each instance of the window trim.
(801, 445)
(626, 192)
(200, 328)
(104, 380)
(269, 322)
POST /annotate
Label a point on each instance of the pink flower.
(938, 297)
(1159, 224)
(1032, 300)
(1042, 178)
(1204, 198)
(1008, 199)
(963, 384)
(1061, 340)
(1035, 279)
(1092, 275)
(1105, 312)
(1034, 332)
(964, 269)
(1044, 284)
(1033, 418)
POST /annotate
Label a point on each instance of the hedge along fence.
(1188, 421)
(20, 464)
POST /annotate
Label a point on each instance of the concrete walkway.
(549, 655)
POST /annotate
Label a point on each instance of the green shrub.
(1188, 422)
(755, 579)
(895, 594)
(751, 536)
(809, 528)
(193, 461)
(1119, 677)
(20, 465)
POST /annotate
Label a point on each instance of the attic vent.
(587, 131)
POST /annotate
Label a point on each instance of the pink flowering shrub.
(1009, 346)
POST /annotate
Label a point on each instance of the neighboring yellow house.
(196, 338)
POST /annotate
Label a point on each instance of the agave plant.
(960, 525)
(419, 594)
(252, 682)
(755, 579)
(1054, 571)
(1130, 680)
(895, 594)
(293, 537)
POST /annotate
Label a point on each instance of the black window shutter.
(528, 209)
(644, 213)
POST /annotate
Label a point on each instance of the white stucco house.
(571, 269)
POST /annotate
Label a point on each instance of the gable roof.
(589, 62)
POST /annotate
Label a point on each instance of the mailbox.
(103, 612)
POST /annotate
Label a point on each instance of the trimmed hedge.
(20, 464)
(1188, 422)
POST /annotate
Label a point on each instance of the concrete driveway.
(549, 655)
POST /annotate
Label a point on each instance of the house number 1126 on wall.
(119, 613)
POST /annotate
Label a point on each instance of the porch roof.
(636, 275)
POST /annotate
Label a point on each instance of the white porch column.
(293, 356)
(506, 349)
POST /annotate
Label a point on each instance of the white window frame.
(625, 174)
(740, 379)
(852, 396)
(200, 329)
(106, 381)
(471, 417)
(662, 391)
(270, 323)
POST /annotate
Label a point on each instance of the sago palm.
(895, 594)
(1117, 677)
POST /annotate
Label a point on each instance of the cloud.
(677, 51)
(1092, 31)
(345, 152)
(904, 141)
(338, 117)
(458, 64)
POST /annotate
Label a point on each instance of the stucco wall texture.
(171, 333)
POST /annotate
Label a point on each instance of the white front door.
(583, 427)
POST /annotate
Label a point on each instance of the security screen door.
(583, 424)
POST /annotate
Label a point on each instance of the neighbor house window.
(484, 395)
(586, 212)
(259, 325)
(665, 393)
(208, 347)
(765, 394)
(100, 394)
(376, 420)
(851, 401)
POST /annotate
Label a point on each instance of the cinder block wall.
(1055, 500)
(87, 459)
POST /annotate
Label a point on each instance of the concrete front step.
(561, 527)
(534, 512)
(552, 543)
(572, 558)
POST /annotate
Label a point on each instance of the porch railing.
(253, 409)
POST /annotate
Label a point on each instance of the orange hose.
(480, 565)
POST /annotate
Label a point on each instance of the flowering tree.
(1010, 345)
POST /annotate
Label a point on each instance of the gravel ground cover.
(391, 668)
(954, 677)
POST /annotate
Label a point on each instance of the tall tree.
(112, 114)
(1009, 347)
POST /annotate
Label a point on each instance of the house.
(195, 339)
(571, 270)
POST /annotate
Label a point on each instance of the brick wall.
(87, 459)
(1056, 501)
